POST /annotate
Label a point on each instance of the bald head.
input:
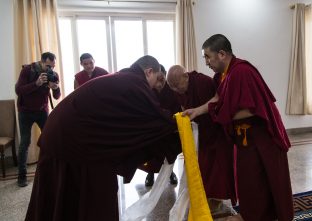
(177, 79)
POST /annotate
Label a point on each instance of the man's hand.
(53, 85)
(42, 79)
(193, 113)
(190, 112)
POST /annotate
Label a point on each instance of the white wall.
(7, 75)
(260, 31)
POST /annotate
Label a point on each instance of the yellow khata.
(199, 209)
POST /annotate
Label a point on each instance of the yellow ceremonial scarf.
(199, 209)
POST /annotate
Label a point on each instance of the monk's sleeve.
(240, 92)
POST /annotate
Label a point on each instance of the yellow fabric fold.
(199, 209)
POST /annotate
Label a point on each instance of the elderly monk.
(215, 153)
(107, 127)
(245, 107)
(169, 103)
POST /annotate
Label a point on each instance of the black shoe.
(149, 181)
(173, 179)
(22, 181)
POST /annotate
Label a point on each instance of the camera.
(51, 75)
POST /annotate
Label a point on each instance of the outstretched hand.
(195, 112)
(192, 113)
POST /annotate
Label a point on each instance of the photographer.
(33, 90)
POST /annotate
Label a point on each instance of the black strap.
(50, 99)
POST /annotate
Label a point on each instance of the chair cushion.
(5, 141)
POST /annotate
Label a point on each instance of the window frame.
(110, 19)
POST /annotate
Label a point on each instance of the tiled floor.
(14, 200)
(300, 163)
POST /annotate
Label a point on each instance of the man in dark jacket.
(33, 91)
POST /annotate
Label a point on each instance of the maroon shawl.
(215, 154)
(168, 102)
(83, 77)
(244, 88)
(201, 88)
(107, 127)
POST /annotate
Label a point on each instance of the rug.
(12, 172)
(302, 206)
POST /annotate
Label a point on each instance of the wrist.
(203, 109)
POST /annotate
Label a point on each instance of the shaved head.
(175, 72)
(177, 79)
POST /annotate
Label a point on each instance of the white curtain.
(308, 40)
(35, 31)
(299, 86)
(186, 44)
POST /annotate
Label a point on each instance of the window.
(91, 36)
(128, 42)
(160, 41)
(114, 42)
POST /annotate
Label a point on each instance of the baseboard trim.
(294, 131)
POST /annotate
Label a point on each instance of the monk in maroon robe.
(168, 102)
(215, 154)
(244, 106)
(107, 127)
(89, 71)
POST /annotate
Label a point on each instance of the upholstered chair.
(7, 130)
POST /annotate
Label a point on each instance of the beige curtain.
(185, 35)
(308, 41)
(298, 91)
(35, 31)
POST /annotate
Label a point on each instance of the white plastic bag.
(141, 208)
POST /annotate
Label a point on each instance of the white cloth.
(141, 208)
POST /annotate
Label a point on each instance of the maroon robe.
(215, 153)
(168, 102)
(264, 188)
(108, 127)
(82, 77)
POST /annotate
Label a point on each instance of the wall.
(260, 31)
(7, 75)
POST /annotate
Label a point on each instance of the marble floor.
(300, 163)
(14, 200)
